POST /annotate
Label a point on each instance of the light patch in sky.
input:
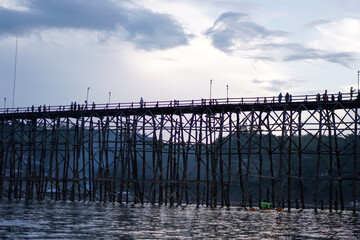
(342, 35)
(18, 5)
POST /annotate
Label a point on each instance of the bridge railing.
(183, 103)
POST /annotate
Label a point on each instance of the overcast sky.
(170, 49)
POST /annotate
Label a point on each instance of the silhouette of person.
(141, 102)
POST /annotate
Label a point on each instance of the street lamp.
(358, 81)
(109, 96)
(16, 50)
(87, 94)
(227, 93)
(210, 88)
(4, 102)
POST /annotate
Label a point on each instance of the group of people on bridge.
(325, 97)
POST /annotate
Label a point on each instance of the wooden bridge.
(298, 153)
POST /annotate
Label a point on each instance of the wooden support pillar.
(160, 161)
(154, 163)
(213, 159)
(43, 157)
(171, 159)
(57, 167)
(240, 160)
(92, 187)
(249, 151)
(2, 157)
(230, 136)
(84, 163)
(289, 160)
(318, 160)
(260, 159)
(134, 161)
(198, 158)
(74, 159)
(208, 149)
(219, 160)
(330, 169)
(11, 167)
(142, 197)
(107, 147)
(66, 161)
(281, 149)
(300, 150)
(100, 172)
(355, 154)
(18, 188)
(338, 164)
(270, 147)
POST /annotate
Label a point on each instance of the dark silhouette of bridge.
(298, 153)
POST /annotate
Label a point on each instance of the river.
(84, 220)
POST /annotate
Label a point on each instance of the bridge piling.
(210, 153)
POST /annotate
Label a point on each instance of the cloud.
(232, 30)
(236, 32)
(296, 52)
(276, 85)
(146, 29)
(317, 22)
(340, 35)
(342, 58)
(256, 81)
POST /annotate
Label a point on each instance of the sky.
(168, 49)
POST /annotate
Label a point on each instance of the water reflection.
(81, 220)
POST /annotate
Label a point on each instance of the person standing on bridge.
(287, 97)
(141, 102)
(325, 96)
(280, 97)
(340, 96)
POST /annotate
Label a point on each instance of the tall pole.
(16, 49)
(358, 81)
(109, 96)
(227, 93)
(4, 102)
(87, 94)
(210, 88)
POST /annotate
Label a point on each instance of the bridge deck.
(302, 102)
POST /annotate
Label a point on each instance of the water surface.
(84, 220)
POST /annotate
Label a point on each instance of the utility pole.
(358, 81)
(16, 49)
(87, 97)
(227, 93)
(87, 94)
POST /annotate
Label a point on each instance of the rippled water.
(82, 220)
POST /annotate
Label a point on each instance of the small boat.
(265, 210)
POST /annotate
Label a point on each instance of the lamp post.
(87, 94)
(16, 50)
(358, 81)
(210, 88)
(109, 96)
(4, 102)
(227, 93)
